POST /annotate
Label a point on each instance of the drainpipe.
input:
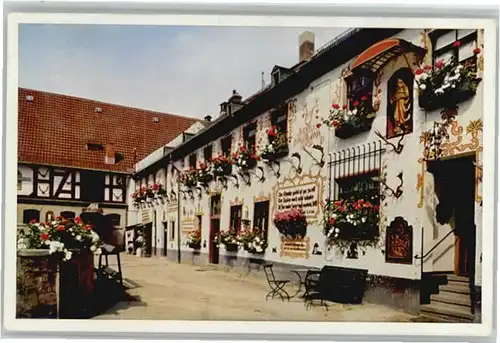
(178, 222)
(154, 227)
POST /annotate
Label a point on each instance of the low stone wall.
(36, 285)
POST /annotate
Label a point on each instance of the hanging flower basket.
(221, 166)
(277, 146)
(253, 240)
(291, 223)
(348, 123)
(189, 178)
(245, 159)
(347, 221)
(194, 240)
(139, 196)
(204, 174)
(446, 84)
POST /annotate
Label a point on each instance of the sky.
(182, 70)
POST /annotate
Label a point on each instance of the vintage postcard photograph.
(252, 173)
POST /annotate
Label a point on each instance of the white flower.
(258, 249)
(336, 235)
(92, 248)
(79, 238)
(47, 242)
(330, 232)
(363, 219)
(67, 255)
(98, 251)
(422, 87)
(21, 246)
(337, 230)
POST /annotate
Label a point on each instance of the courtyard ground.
(165, 290)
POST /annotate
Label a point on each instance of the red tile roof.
(54, 129)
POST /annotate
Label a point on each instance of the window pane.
(465, 50)
(446, 39)
(464, 32)
(445, 55)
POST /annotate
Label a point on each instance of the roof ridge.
(109, 103)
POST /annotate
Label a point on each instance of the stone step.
(453, 312)
(455, 287)
(458, 279)
(451, 298)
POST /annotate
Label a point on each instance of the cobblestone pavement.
(169, 291)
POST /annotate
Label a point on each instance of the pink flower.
(457, 44)
(335, 106)
(476, 51)
(419, 71)
(44, 236)
(439, 64)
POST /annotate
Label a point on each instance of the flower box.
(277, 146)
(250, 164)
(253, 240)
(347, 129)
(291, 223)
(349, 232)
(430, 102)
(224, 170)
(231, 247)
(205, 178)
(272, 156)
(195, 246)
(245, 159)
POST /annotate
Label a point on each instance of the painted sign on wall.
(399, 242)
(295, 248)
(145, 216)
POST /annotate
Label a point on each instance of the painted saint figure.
(402, 104)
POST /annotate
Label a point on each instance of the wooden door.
(213, 248)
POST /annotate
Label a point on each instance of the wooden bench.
(337, 284)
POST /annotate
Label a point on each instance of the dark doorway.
(92, 186)
(148, 228)
(455, 188)
(165, 238)
(214, 250)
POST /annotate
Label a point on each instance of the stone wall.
(36, 285)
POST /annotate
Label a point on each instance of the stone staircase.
(452, 303)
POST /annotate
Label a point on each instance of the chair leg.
(119, 268)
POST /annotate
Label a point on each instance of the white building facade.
(419, 158)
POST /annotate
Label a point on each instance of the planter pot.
(226, 170)
(76, 286)
(349, 232)
(206, 179)
(251, 163)
(431, 102)
(348, 130)
(195, 246)
(292, 230)
(231, 247)
(149, 199)
(139, 252)
(190, 184)
(275, 155)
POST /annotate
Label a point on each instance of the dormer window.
(276, 77)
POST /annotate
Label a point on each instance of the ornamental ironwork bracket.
(191, 193)
(223, 181)
(260, 178)
(321, 161)
(276, 171)
(173, 195)
(298, 167)
(396, 148)
(236, 182)
(398, 192)
(245, 176)
(183, 194)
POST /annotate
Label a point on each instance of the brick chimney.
(110, 156)
(235, 102)
(306, 46)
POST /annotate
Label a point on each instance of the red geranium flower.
(364, 98)
(78, 220)
(44, 236)
(87, 227)
(335, 123)
(60, 228)
(344, 107)
(58, 218)
(476, 51)
(439, 64)
(356, 103)
(33, 221)
(318, 125)
(335, 106)
(427, 67)
(457, 44)
(331, 221)
(419, 71)
(243, 149)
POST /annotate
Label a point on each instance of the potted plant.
(253, 240)
(245, 158)
(194, 239)
(351, 220)
(291, 223)
(139, 196)
(350, 122)
(221, 165)
(149, 193)
(189, 178)
(159, 190)
(204, 174)
(277, 145)
(229, 239)
(446, 84)
(140, 242)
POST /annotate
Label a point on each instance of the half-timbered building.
(380, 147)
(73, 152)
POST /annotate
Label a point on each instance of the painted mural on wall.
(400, 103)
(295, 248)
(305, 192)
(308, 134)
(399, 242)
